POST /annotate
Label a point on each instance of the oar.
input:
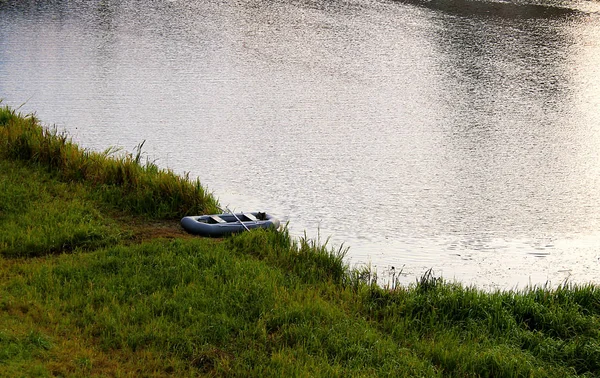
(236, 217)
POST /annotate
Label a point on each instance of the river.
(458, 136)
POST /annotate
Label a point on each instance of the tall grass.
(538, 330)
(192, 307)
(40, 215)
(200, 310)
(124, 180)
(260, 303)
(311, 261)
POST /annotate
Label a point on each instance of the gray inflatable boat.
(219, 225)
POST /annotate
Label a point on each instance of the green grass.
(82, 294)
(550, 332)
(40, 215)
(120, 180)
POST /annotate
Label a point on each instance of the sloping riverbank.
(98, 279)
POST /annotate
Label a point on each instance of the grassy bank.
(122, 181)
(97, 279)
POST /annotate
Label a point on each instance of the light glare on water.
(420, 137)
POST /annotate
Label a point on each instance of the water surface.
(455, 135)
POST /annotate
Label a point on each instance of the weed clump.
(311, 261)
(534, 332)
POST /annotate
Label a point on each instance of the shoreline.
(99, 279)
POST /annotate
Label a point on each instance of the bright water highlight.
(459, 136)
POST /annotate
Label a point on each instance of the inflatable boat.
(218, 225)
